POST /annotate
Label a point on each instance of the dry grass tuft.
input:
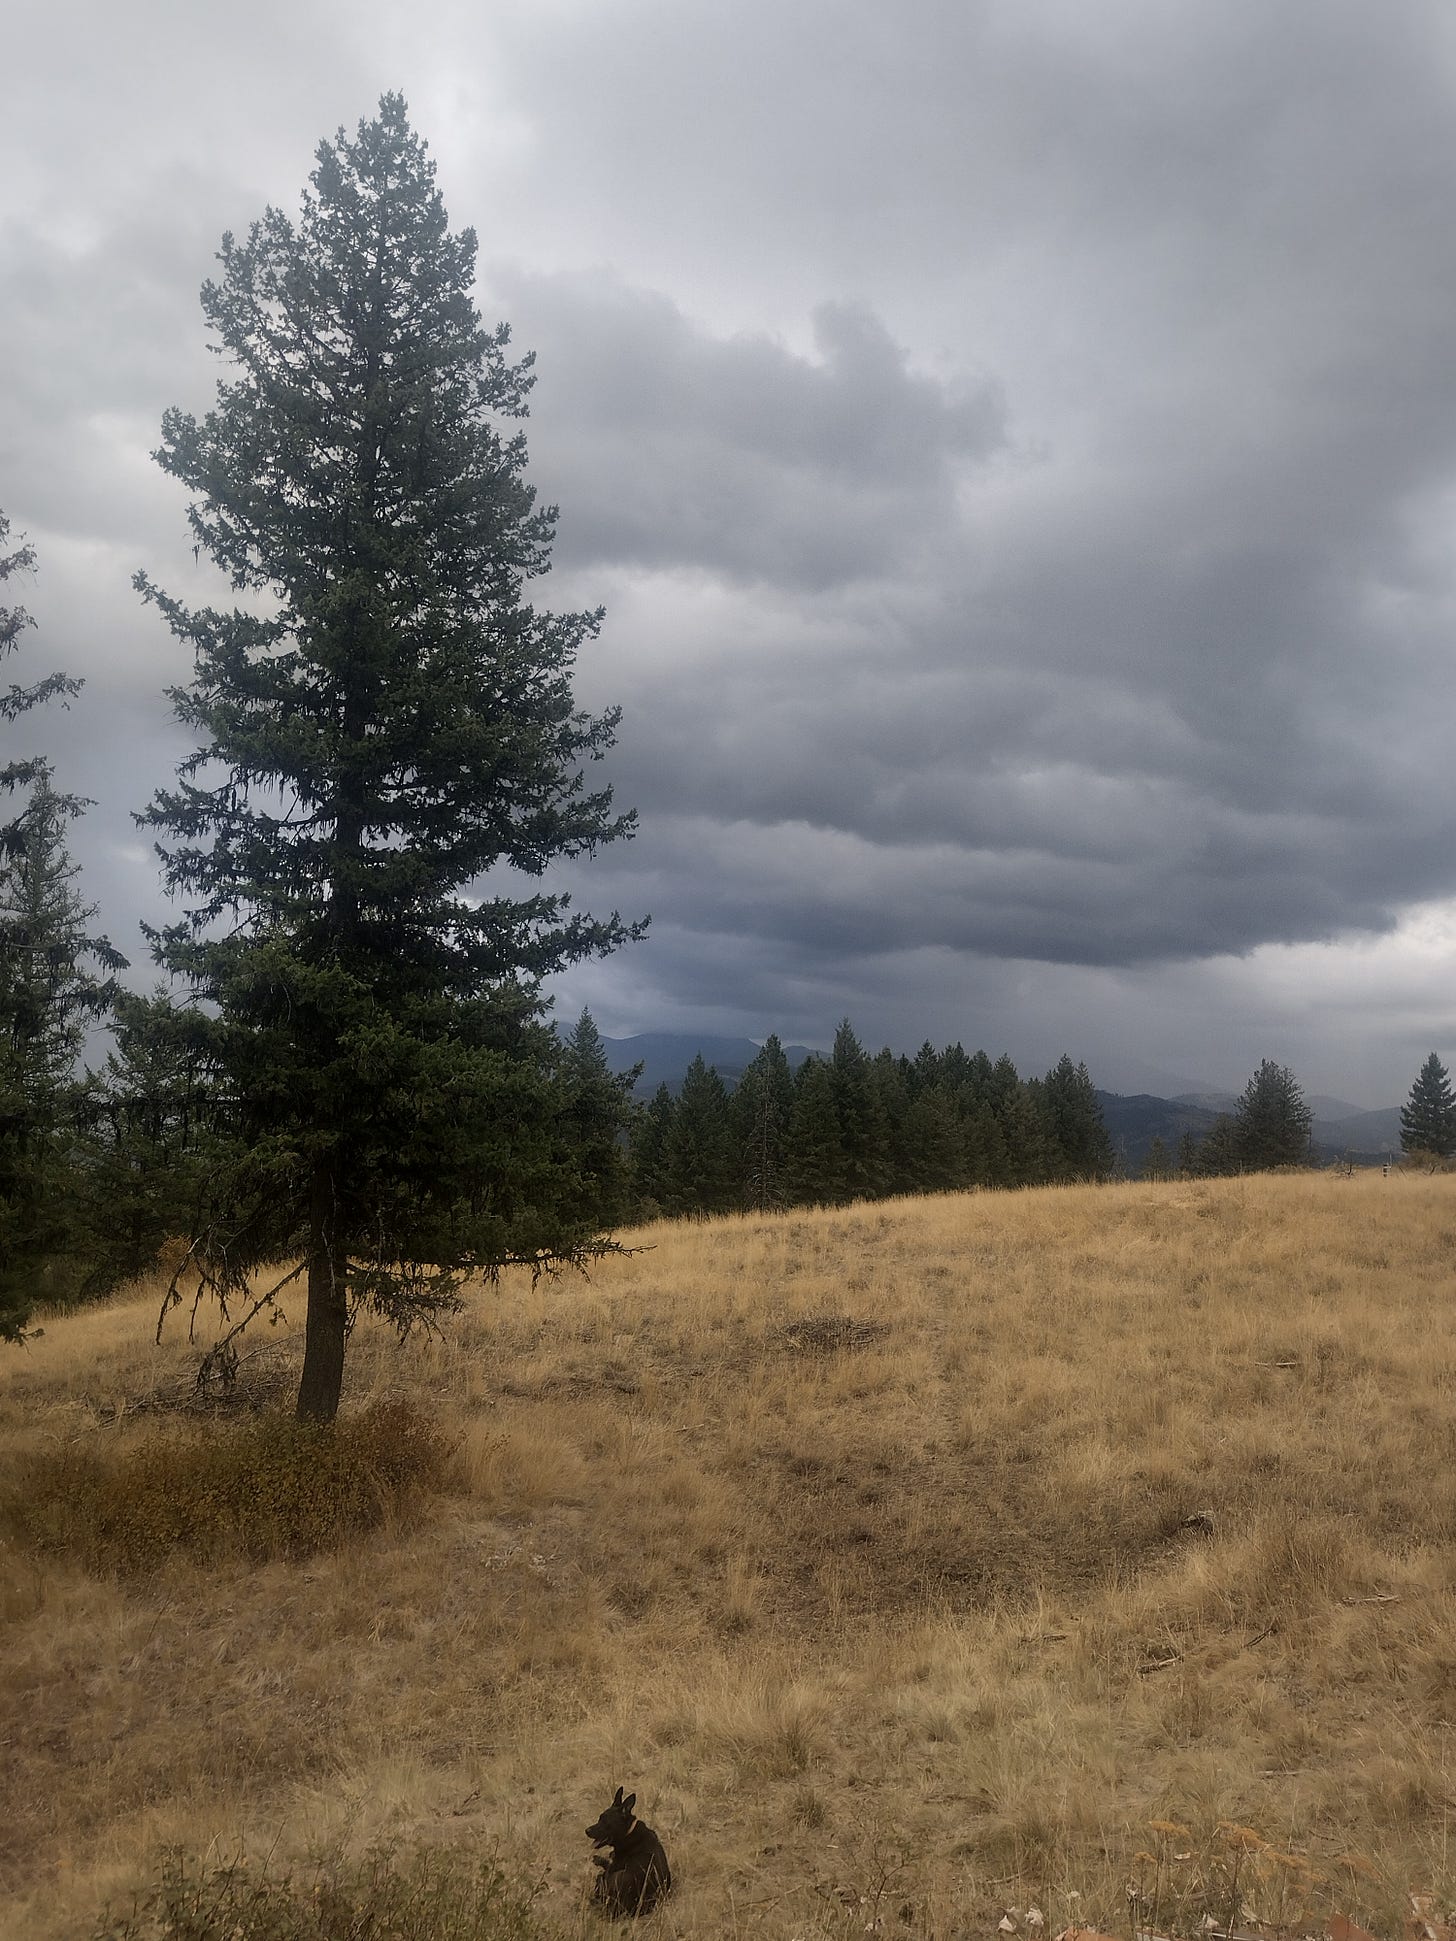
(269, 1487)
(922, 1556)
(426, 1896)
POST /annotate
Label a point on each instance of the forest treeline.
(852, 1125)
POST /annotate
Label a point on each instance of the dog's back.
(637, 1876)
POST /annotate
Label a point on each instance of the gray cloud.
(1016, 445)
(674, 447)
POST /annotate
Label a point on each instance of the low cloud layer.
(678, 449)
(1016, 447)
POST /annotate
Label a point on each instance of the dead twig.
(1159, 1664)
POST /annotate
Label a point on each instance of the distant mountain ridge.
(1134, 1122)
(665, 1056)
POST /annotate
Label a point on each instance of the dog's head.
(615, 1824)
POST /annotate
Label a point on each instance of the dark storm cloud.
(673, 446)
(1016, 444)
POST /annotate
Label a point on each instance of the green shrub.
(271, 1486)
(438, 1895)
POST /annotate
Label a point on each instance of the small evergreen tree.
(700, 1175)
(1220, 1152)
(935, 1143)
(385, 726)
(1272, 1122)
(1082, 1149)
(651, 1136)
(146, 1152)
(1428, 1118)
(15, 700)
(863, 1134)
(890, 1085)
(1157, 1165)
(988, 1159)
(762, 1107)
(1021, 1114)
(49, 994)
(597, 1117)
(815, 1170)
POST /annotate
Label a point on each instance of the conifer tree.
(935, 1143)
(598, 1114)
(988, 1162)
(1082, 1149)
(925, 1071)
(23, 772)
(863, 1134)
(1220, 1153)
(1272, 1122)
(891, 1079)
(146, 1150)
(761, 1109)
(700, 1175)
(49, 994)
(1428, 1118)
(650, 1139)
(1030, 1150)
(1157, 1165)
(385, 731)
(816, 1172)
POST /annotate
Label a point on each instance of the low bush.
(435, 1895)
(272, 1486)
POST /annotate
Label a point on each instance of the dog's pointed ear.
(629, 1802)
(618, 1800)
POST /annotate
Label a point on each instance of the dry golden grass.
(1122, 1506)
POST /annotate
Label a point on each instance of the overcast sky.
(1014, 440)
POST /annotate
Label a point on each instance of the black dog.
(636, 1877)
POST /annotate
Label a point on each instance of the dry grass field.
(915, 1563)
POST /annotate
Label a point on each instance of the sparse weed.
(429, 1895)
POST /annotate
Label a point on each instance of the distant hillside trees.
(1428, 1118)
(851, 1126)
(54, 981)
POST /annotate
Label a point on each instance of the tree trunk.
(328, 1305)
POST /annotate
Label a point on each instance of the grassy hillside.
(913, 1562)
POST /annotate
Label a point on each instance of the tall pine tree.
(1428, 1117)
(385, 730)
